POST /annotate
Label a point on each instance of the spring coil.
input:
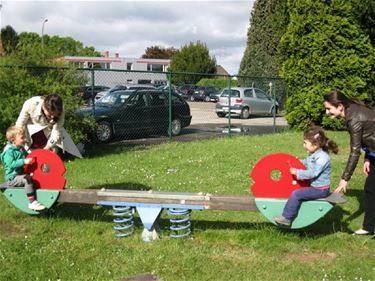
(124, 223)
(180, 222)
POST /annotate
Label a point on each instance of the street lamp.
(43, 34)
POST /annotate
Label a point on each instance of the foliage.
(9, 39)
(157, 52)
(364, 10)
(268, 22)
(192, 58)
(56, 46)
(220, 83)
(76, 241)
(323, 49)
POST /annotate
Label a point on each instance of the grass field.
(76, 242)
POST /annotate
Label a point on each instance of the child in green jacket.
(13, 158)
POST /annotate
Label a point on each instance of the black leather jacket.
(360, 122)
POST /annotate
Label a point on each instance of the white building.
(123, 70)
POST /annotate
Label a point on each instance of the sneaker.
(362, 232)
(281, 220)
(36, 206)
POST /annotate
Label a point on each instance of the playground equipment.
(272, 186)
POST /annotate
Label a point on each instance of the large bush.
(323, 49)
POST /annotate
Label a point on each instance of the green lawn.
(76, 242)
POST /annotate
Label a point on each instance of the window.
(154, 67)
(261, 95)
(129, 66)
(248, 93)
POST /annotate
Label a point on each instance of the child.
(13, 158)
(318, 171)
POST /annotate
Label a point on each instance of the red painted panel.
(47, 170)
(268, 185)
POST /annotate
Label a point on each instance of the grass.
(76, 242)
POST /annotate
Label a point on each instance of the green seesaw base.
(17, 196)
(309, 212)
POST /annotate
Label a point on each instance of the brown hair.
(53, 104)
(316, 136)
(335, 98)
(14, 131)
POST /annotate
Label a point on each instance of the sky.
(129, 27)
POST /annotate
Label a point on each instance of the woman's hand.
(342, 186)
(47, 147)
(366, 167)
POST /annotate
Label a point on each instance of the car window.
(157, 99)
(138, 99)
(177, 100)
(231, 92)
(249, 93)
(261, 95)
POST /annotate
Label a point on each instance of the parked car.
(245, 102)
(86, 91)
(124, 87)
(214, 97)
(126, 112)
(203, 93)
(186, 91)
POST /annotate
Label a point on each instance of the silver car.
(245, 102)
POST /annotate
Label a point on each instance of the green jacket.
(13, 159)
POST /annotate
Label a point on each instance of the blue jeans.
(298, 196)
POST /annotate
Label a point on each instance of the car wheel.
(207, 99)
(192, 98)
(220, 114)
(104, 131)
(245, 113)
(176, 127)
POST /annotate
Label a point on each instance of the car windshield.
(114, 98)
(232, 93)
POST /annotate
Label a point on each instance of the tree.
(193, 58)
(9, 39)
(364, 10)
(323, 49)
(56, 46)
(268, 22)
(22, 77)
(157, 52)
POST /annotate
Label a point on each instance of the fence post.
(169, 106)
(229, 105)
(273, 86)
(92, 91)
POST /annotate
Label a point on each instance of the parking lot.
(204, 113)
(206, 124)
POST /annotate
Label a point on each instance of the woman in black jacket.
(360, 123)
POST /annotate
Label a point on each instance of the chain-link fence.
(137, 104)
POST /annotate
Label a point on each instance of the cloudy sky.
(129, 27)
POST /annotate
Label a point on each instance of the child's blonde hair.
(13, 131)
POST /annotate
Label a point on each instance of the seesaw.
(272, 186)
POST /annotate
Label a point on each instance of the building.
(125, 70)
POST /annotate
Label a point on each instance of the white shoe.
(36, 206)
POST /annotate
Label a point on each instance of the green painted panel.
(309, 212)
(17, 196)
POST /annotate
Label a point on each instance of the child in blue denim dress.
(318, 171)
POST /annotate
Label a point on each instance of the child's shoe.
(36, 206)
(282, 221)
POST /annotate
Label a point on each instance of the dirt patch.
(309, 257)
(8, 228)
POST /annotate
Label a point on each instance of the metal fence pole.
(92, 91)
(170, 105)
(273, 86)
(229, 105)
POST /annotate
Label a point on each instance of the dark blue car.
(123, 113)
